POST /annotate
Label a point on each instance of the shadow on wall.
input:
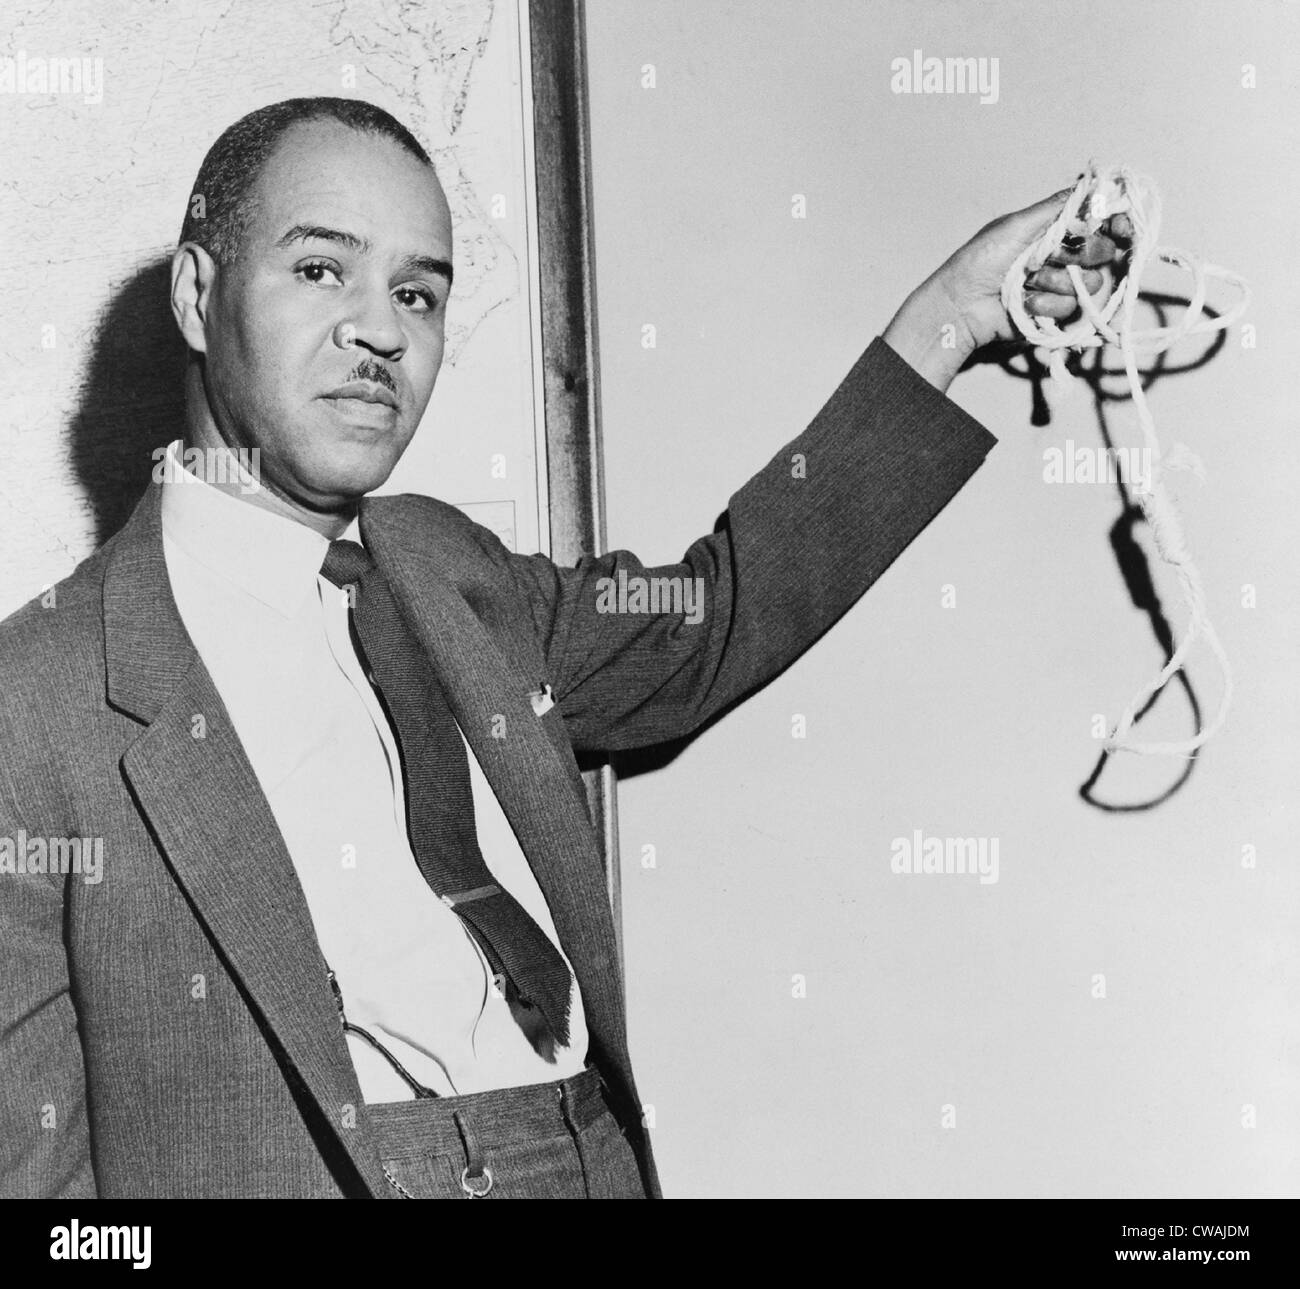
(1108, 385)
(133, 397)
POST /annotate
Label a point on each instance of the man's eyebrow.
(315, 233)
(318, 233)
(427, 264)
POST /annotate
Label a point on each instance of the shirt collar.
(271, 557)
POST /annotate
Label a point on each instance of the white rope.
(1103, 191)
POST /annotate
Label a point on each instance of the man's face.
(325, 336)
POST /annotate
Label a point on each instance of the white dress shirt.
(273, 634)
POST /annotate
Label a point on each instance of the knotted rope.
(1103, 191)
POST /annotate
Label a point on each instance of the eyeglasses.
(421, 1092)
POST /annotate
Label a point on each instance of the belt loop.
(566, 1109)
(475, 1178)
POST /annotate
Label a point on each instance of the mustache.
(376, 373)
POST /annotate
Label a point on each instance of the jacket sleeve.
(44, 1137)
(798, 545)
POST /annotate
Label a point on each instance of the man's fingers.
(1050, 293)
(1105, 246)
(1091, 251)
(1050, 305)
(1050, 279)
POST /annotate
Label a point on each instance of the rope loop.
(1102, 192)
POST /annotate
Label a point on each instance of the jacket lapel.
(430, 568)
(203, 801)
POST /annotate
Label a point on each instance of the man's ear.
(193, 278)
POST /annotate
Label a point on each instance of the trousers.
(556, 1140)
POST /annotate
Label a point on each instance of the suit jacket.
(169, 1030)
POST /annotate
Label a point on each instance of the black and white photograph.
(632, 599)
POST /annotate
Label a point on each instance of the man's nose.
(372, 323)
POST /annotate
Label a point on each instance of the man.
(341, 926)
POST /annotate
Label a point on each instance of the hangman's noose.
(1103, 191)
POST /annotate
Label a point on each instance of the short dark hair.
(218, 219)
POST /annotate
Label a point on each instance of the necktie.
(440, 804)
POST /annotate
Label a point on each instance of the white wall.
(772, 854)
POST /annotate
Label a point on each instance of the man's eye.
(314, 271)
(416, 298)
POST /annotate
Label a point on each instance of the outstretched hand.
(958, 308)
